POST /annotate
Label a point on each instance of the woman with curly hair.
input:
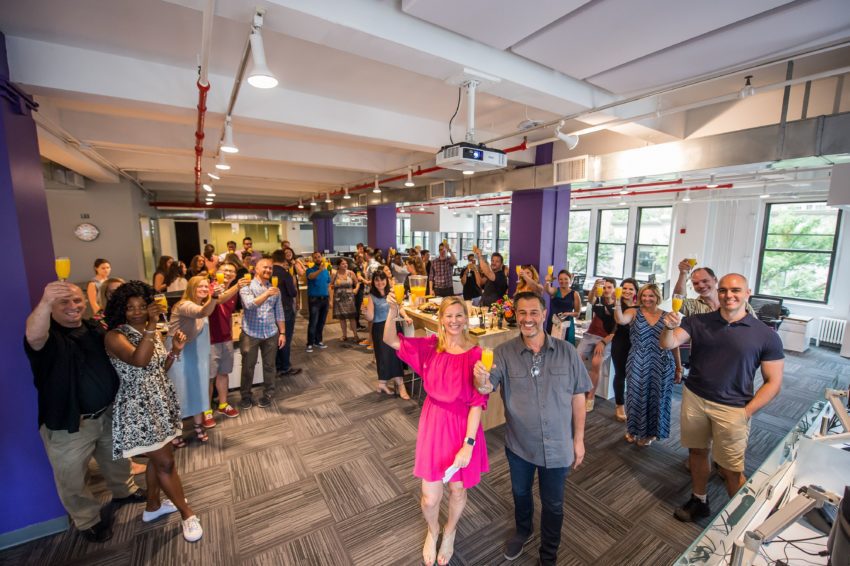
(146, 413)
(175, 278)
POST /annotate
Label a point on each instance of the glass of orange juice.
(247, 276)
(600, 290)
(219, 277)
(692, 261)
(550, 270)
(311, 264)
(365, 301)
(518, 270)
(487, 358)
(162, 301)
(618, 293)
(398, 291)
(274, 280)
(63, 268)
(677, 302)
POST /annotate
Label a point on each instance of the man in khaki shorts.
(718, 401)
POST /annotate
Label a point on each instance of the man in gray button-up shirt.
(543, 383)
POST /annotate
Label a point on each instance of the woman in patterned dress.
(146, 413)
(650, 370)
(345, 286)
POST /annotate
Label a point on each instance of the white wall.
(115, 209)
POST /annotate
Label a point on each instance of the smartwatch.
(470, 441)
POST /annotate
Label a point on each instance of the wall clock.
(86, 232)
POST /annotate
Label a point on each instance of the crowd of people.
(120, 384)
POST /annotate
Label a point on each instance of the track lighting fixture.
(345, 193)
(313, 201)
(712, 184)
(409, 182)
(328, 198)
(260, 76)
(300, 204)
(748, 89)
(207, 187)
(214, 176)
(687, 197)
(222, 164)
(570, 140)
(468, 172)
(377, 188)
(227, 145)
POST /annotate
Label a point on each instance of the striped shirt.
(260, 321)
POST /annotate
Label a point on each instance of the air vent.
(437, 190)
(363, 199)
(573, 170)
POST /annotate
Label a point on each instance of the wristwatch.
(470, 441)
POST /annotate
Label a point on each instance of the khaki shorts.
(221, 358)
(705, 423)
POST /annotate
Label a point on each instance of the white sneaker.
(165, 507)
(321, 345)
(192, 530)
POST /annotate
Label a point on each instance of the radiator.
(830, 330)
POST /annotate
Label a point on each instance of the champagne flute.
(550, 270)
(63, 268)
(618, 293)
(487, 358)
(162, 301)
(600, 290)
(518, 271)
(677, 302)
(219, 277)
(274, 280)
(398, 290)
(692, 261)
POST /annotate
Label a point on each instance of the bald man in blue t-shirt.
(728, 346)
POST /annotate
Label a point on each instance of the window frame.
(599, 242)
(586, 243)
(490, 248)
(833, 253)
(637, 244)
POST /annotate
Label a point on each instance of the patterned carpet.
(323, 477)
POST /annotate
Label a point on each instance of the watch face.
(86, 232)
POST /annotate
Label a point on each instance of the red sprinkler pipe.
(199, 138)
(634, 186)
(659, 191)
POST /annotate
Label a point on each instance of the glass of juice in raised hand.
(677, 302)
(63, 268)
(247, 276)
(550, 270)
(162, 301)
(398, 290)
(692, 261)
(518, 270)
(365, 301)
(618, 292)
(274, 280)
(487, 358)
(219, 277)
(600, 290)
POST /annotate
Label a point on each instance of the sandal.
(400, 389)
(629, 438)
(201, 432)
(644, 442)
(382, 389)
(178, 442)
(447, 548)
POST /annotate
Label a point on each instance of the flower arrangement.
(504, 307)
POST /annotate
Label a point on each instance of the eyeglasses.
(536, 362)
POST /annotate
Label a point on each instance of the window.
(503, 236)
(422, 239)
(579, 240)
(460, 242)
(798, 251)
(611, 243)
(485, 233)
(404, 238)
(653, 242)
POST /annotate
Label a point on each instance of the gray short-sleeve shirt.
(538, 409)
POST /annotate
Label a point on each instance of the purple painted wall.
(381, 226)
(30, 495)
(539, 229)
(323, 232)
(543, 153)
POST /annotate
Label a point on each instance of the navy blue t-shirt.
(725, 357)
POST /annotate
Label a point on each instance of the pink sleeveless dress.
(448, 380)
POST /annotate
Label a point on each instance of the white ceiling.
(367, 87)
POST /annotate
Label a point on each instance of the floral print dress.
(146, 412)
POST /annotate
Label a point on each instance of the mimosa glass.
(63, 268)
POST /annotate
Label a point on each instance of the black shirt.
(72, 374)
(286, 284)
(470, 288)
(494, 290)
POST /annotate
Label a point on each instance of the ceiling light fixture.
(409, 182)
(214, 176)
(570, 140)
(300, 204)
(207, 187)
(313, 201)
(260, 76)
(623, 203)
(328, 198)
(477, 203)
(468, 172)
(421, 207)
(222, 164)
(624, 191)
(687, 197)
(227, 145)
(748, 89)
(711, 183)
(346, 195)
(377, 188)
(210, 196)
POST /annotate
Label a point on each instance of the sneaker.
(165, 507)
(693, 510)
(588, 405)
(293, 371)
(365, 343)
(192, 530)
(264, 401)
(138, 496)
(228, 411)
(513, 547)
(321, 345)
(209, 421)
(309, 348)
(246, 403)
(101, 532)
(370, 347)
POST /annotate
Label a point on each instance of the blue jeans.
(318, 316)
(282, 361)
(552, 482)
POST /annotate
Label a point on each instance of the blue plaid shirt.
(260, 321)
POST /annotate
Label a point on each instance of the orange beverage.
(518, 270)
(677, 303)
(161, 301)
(247, 276)
(63, 268)
(398, 289)
(692, 261)
(600, 290)
(618, 293)
(550, 270)
(274, 280)
(418, 291)
(219, 277)
(311, 265)
(365, 300)
(487, 358)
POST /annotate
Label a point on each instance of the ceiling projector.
(471, 157)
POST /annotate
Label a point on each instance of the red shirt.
(221, 321)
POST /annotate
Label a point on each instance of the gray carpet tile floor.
(324, 477)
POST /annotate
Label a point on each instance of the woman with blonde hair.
(450, 440)
(107, 288)
(191, 372)
(529, 280)
(650, 369)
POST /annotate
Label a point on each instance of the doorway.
(188, 240)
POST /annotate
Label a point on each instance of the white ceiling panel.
(497, 23)
(605, 34)
(784, 31)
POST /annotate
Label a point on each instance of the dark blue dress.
(651, 371)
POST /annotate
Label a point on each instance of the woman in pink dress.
(450, 433)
